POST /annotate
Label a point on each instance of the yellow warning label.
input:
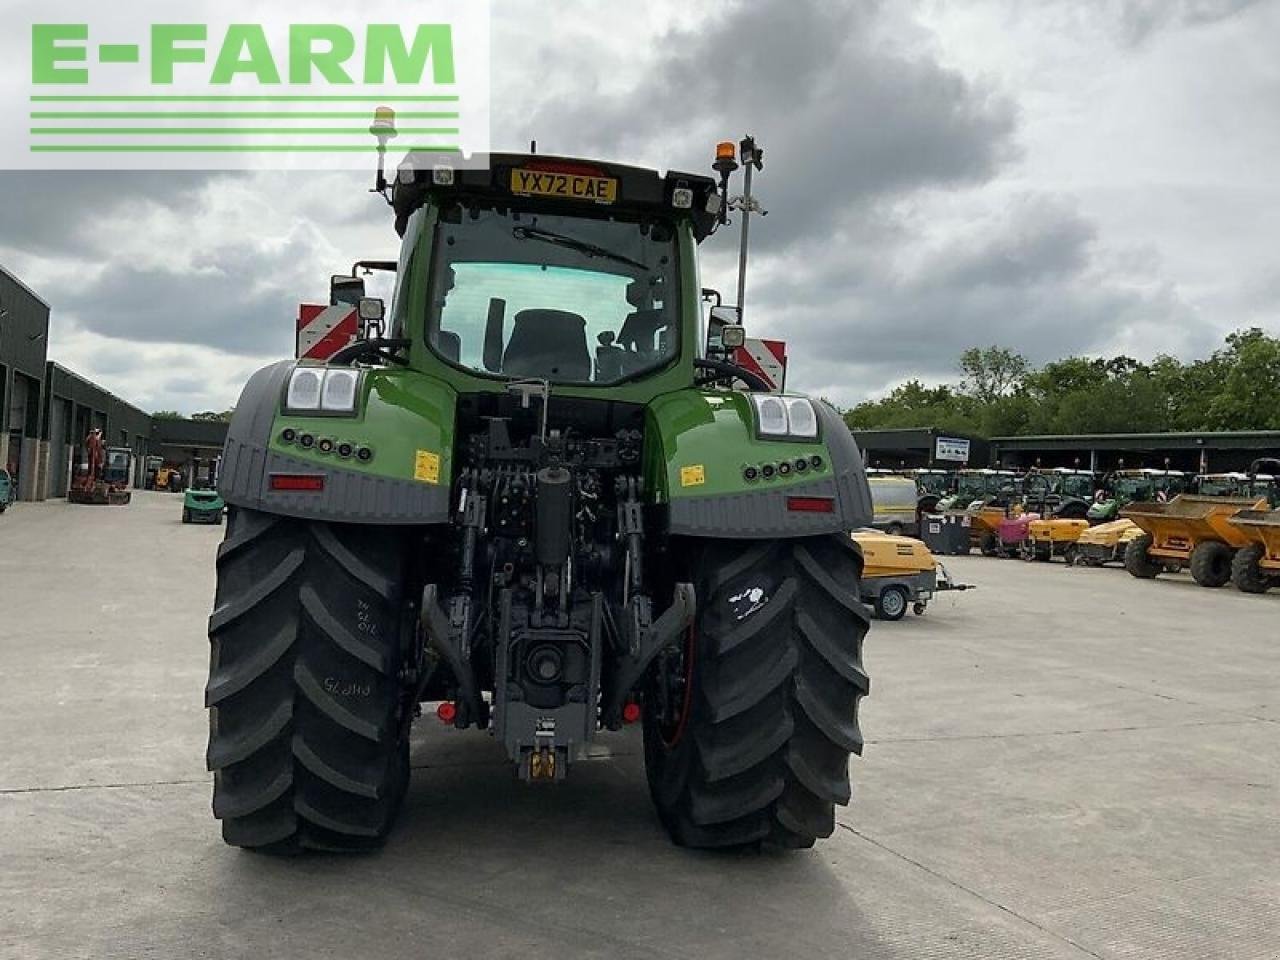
(693, 476)
(426, 467)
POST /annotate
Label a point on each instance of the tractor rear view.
(537, 504)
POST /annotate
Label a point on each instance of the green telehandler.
(474, 508)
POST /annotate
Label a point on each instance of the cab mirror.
(722, 320)
(347, 289)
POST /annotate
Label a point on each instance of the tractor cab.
(1123, 487)
(985, 484)
(1239, 484)
(544, 269)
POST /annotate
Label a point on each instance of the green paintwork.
(715, 430)
(404, 411)
(400, 413)
(202, 501)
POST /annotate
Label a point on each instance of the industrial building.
(46, 410)
(910, 448)
(24, 340)
(1204, 452)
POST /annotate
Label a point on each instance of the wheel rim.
(892, 602)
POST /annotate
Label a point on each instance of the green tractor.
(537, 503)
(1123, 487)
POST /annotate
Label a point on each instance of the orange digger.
(103, 476)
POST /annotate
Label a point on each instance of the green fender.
(713, 476)
(404, 419)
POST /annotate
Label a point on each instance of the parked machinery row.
(1151, 520)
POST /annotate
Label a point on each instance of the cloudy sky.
(1056, 176)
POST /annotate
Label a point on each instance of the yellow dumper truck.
(1189, 531)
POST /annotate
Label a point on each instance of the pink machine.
(1012, 531)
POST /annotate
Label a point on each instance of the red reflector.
(447, 712)
(811, 504)
(297, 481)
(631, 713)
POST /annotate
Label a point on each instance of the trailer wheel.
(1246, 570)
(762, 702)
(892, 604)
(186, 515)
(919, 607)
(1136, 560)
(308, 724)
(1211, 564)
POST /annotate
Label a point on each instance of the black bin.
(946, 533)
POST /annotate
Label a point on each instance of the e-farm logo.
(228, 91)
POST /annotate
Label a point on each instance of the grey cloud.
(74, 213)
(241, 301)
(185, 386)
(1140, 19)
(842, 118)
(1030, 279)
(1041, 239)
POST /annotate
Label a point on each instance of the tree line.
(1000, 393)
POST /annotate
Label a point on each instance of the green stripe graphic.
(118, 53)
(229, 131)
(46, 98)
(221, 115)
(221, 148)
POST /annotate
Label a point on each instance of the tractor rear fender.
(708, 467)
(403, 419)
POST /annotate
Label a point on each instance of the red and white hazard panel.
(764, 358)
(323, 331)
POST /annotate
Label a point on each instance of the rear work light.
(308, 482)
(811, 504)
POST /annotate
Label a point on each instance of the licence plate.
(567, 186)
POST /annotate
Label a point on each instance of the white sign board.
(951, 448)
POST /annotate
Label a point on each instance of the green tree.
(991, 372)
(1249, 398)
(166, 415)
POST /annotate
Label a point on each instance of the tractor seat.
(549, 344)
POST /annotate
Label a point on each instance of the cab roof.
(637, 190)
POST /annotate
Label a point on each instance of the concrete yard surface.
(1064, 763)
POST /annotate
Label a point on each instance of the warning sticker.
(426, 466)
(693, 476)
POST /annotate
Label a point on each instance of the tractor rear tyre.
(766, 716)
(308, 721)
(1246, 570)
(1136, 560)
(1211, 564)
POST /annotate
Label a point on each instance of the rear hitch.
(448, 636)
(642, 640)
